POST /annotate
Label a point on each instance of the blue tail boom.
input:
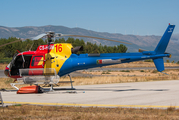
(85, 61)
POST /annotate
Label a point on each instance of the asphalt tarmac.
(158, 94)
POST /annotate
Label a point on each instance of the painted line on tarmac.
(90, 105)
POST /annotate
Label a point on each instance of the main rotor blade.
(10, 43)
(39, 36)
(60, 35)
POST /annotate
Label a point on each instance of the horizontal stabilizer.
(142, 50)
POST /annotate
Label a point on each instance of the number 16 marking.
(58, 48)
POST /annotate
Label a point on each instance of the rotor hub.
(50, 34)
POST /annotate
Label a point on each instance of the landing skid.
(14, 85)
(51, 85)
(52, 89)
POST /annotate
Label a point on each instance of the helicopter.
(50, 62)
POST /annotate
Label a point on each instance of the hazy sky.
(139, 17)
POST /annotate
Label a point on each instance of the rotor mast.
(50, 35)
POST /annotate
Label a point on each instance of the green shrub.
(125, 70)
(149, 60)
(5, 60)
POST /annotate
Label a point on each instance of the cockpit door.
(37, 62)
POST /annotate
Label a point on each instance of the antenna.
(31, 46)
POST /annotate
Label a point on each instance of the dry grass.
(88, 113)
(117, 79)
(121, 77)
(139, 64)
(5, 83)
(3, 66)
(134, 72)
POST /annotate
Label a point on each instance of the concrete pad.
(160, 94)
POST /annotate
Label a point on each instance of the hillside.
(144, 42)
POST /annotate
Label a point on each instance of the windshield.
(19, 62)
(13, 59)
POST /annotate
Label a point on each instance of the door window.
(37, 61)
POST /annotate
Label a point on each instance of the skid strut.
(51, 88)
(71, 82)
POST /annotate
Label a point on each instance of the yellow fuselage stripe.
(90, 105)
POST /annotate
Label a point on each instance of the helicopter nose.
(6, 71)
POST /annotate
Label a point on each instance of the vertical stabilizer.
(159, 64)
(162, 45)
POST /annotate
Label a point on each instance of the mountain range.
(148, 42)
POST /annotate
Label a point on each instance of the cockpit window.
(13, 59)
(19, 63)
(37, 60)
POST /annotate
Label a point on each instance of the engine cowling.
(76, 49)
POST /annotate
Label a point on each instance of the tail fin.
(162, 45)
(159, 64)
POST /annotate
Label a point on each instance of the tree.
(11, 49)
(1, 55)
(167, 61)
(109, 49)
(122, 48)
